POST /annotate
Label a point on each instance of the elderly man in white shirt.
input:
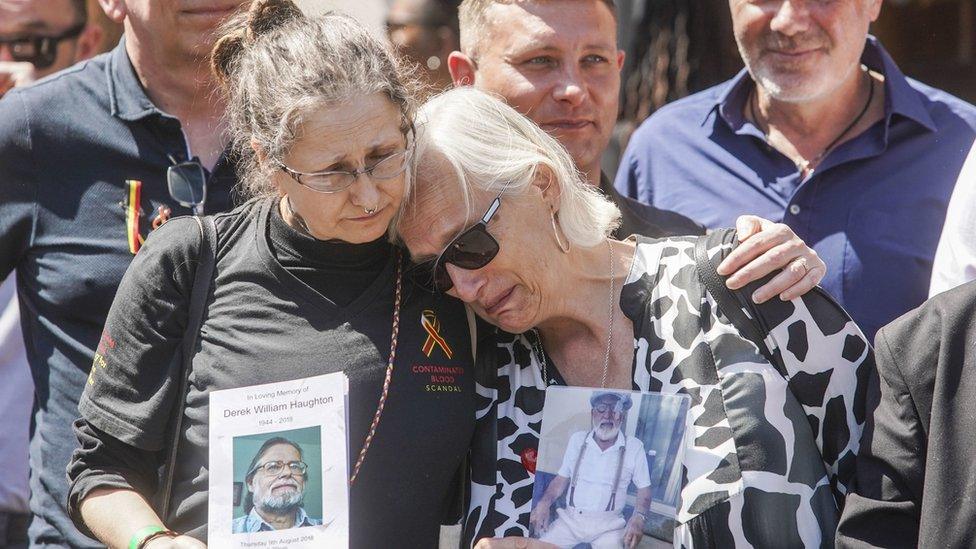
(955, 258)
(597, 468)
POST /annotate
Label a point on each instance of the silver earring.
(564, 247)
(433, 62)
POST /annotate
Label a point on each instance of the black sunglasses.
(40, 51)
(187, 184)
(471, 250)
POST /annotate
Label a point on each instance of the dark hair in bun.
(261, 17)
(275, 64)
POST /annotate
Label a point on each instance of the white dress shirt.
(955, 258)
(598, 469)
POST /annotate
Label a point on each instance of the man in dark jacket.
(916, 473)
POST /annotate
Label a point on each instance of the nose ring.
(369, 211)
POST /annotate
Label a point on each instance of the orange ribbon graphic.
(430, 323)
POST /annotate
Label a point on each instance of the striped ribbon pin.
(133, 213)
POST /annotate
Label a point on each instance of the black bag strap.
(202, 280)
(733, 303)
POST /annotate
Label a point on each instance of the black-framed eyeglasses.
(187, 184)
(276, 467)
(40, 51)
(334, 181)
(470, 250)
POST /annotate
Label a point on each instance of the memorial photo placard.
(279, 465)
(609, 466)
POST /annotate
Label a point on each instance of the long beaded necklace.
(393, 347)
(389, 372)
(540, 353)
(807, 167)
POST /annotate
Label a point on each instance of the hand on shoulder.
(765, 247)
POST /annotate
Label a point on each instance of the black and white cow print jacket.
(768, 459)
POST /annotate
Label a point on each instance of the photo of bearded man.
(275, 483)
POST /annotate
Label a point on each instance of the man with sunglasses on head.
(93, 159)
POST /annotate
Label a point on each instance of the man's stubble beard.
(773, 84)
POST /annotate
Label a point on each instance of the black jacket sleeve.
(128, 402)
(103, 461)
(883, 509)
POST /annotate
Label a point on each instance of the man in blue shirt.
(37, 39)
(822, 131)
(85, 155)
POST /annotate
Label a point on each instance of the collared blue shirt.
(68, 144)
(252, 522)
(873, 210)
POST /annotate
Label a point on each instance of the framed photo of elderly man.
(278, 472)
(609, 467)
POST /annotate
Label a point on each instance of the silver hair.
(492, 148)
(276, 65)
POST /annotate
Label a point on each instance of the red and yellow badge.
(434, 339)
(133, 215)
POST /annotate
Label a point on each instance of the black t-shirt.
(264, 325)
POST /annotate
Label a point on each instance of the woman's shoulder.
(234, 222)
(181, 235)
(662, 268)
(654, 257)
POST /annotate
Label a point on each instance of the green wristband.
(143, 534)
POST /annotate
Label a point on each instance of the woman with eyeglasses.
(306, 283)
(506, 224)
